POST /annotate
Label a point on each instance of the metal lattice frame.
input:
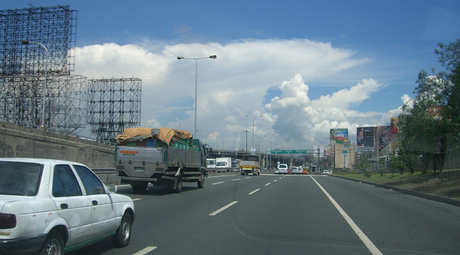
(23, 67)
(113, 105)
(67, 105)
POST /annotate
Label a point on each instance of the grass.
(425, 183)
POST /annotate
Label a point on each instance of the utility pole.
(246, 141)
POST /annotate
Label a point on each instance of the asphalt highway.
(272, 214)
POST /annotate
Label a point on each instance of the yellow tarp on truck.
(142, 133)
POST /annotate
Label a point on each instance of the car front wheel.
(54, 245)
(123, 235)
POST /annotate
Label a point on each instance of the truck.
(160, 156)
(211, 162)
(250, 164)
(223, 164)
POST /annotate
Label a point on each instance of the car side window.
(64, 182)
(91, 183)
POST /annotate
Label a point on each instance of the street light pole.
(253, 127)
(196, 83)
(26, 42)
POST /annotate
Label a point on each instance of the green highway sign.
(288, 151)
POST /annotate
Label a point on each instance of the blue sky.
(306, 66)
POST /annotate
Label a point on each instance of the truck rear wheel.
(200, 182)
(142, 187)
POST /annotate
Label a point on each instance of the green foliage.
(397, 163)
(363, 163)
(381, 171)
(430, 126)
(367, 174)
(427, 171)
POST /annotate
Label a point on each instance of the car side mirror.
(112, 188)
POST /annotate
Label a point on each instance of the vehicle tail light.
(7, 221)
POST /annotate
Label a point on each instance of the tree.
(431, 125)
(363, 163)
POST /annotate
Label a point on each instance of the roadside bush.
(427, 171)
(367, 174)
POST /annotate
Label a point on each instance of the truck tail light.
(7, 221)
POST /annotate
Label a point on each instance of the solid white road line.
(217, 183)
(145, 250)
(223, 208)
(253, 192)
(372, 248)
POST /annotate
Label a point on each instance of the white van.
(282, 168)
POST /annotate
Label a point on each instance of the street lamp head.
(179, 57)
(25, 42)
(246, 115)
(213, 56)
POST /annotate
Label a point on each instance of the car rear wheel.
(54, 245)
(123, 235)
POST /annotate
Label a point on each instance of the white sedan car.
(55, 206)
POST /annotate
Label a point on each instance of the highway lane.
(271, 214)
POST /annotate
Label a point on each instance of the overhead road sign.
(288, 152)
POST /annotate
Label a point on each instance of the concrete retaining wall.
(17, 141)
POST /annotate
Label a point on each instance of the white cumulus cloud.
(238, 83)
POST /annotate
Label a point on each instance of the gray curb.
(410, 192)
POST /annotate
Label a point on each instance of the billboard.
(365, 137)
(395, 137)
(344, 156)
(339, 135)
(383, 138)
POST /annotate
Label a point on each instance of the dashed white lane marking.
(372, 248)
(253, 192)
(275, 180)
(136, 199)
(216, 183)
(268, 184)
(223, 208)
(145, 250)
(248, 177)
(236, 179)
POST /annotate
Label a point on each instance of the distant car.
(327, 171)
(295, 170)
(283, 169)
(51, 206)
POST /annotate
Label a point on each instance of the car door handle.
(64, 206)
(94, 202)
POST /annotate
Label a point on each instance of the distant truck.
(161, 156)
(223, 164)
(250, 164)
(211, 163)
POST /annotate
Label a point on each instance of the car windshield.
(18, 178)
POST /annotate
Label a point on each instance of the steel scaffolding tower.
(23, 69)
(113, 105)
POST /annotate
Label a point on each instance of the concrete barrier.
(23, 142)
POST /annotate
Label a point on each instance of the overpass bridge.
(268, 160)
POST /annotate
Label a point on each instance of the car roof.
(40, 161)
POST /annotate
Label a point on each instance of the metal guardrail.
(107, 171)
